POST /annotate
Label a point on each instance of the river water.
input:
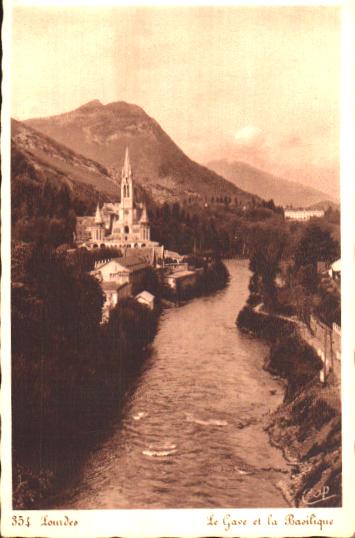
(192, 433)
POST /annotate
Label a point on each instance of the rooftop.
(131, 263)
(336, 266)
(145, 295)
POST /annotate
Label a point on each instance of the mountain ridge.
(282, 191)
(102, 132)
(60, 161)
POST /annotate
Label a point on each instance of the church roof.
(132, 263)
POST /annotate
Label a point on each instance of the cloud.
(250, 136)
(250, 144)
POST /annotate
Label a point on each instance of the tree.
(175, 212)
(308, 278)
(266, 245)
(315, 245)
(165, 212)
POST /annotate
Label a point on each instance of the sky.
(254, 84)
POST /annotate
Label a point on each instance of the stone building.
(123, 270)
(123, 224)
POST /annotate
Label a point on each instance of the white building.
(146, 298)
(128, 270)
(303, 214)
(335, 270)
(181, 279)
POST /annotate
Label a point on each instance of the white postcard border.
(184, 522)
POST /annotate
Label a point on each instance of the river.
(192, 433)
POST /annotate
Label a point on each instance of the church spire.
(127, 184)
(126, 170)
(98, 216)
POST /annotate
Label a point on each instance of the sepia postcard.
(177, 296)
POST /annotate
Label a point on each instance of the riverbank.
(307, 425)
(308, 431)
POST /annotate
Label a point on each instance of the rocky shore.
(307, 425)
(308, 431)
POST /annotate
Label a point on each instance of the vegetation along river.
(192, 432)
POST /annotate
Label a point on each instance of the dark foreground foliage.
(69, 373)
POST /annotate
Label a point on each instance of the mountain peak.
(102, 132)
(121, 107)
(91, 105)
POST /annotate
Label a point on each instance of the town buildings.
(119, 277)
(125, 226)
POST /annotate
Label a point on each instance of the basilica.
(123, 224)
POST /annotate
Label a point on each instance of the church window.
(126, 229)
(127, 191)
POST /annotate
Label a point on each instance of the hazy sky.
(259, 84)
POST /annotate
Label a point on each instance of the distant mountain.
(102, 132)
(265, 185)
(325, 204)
